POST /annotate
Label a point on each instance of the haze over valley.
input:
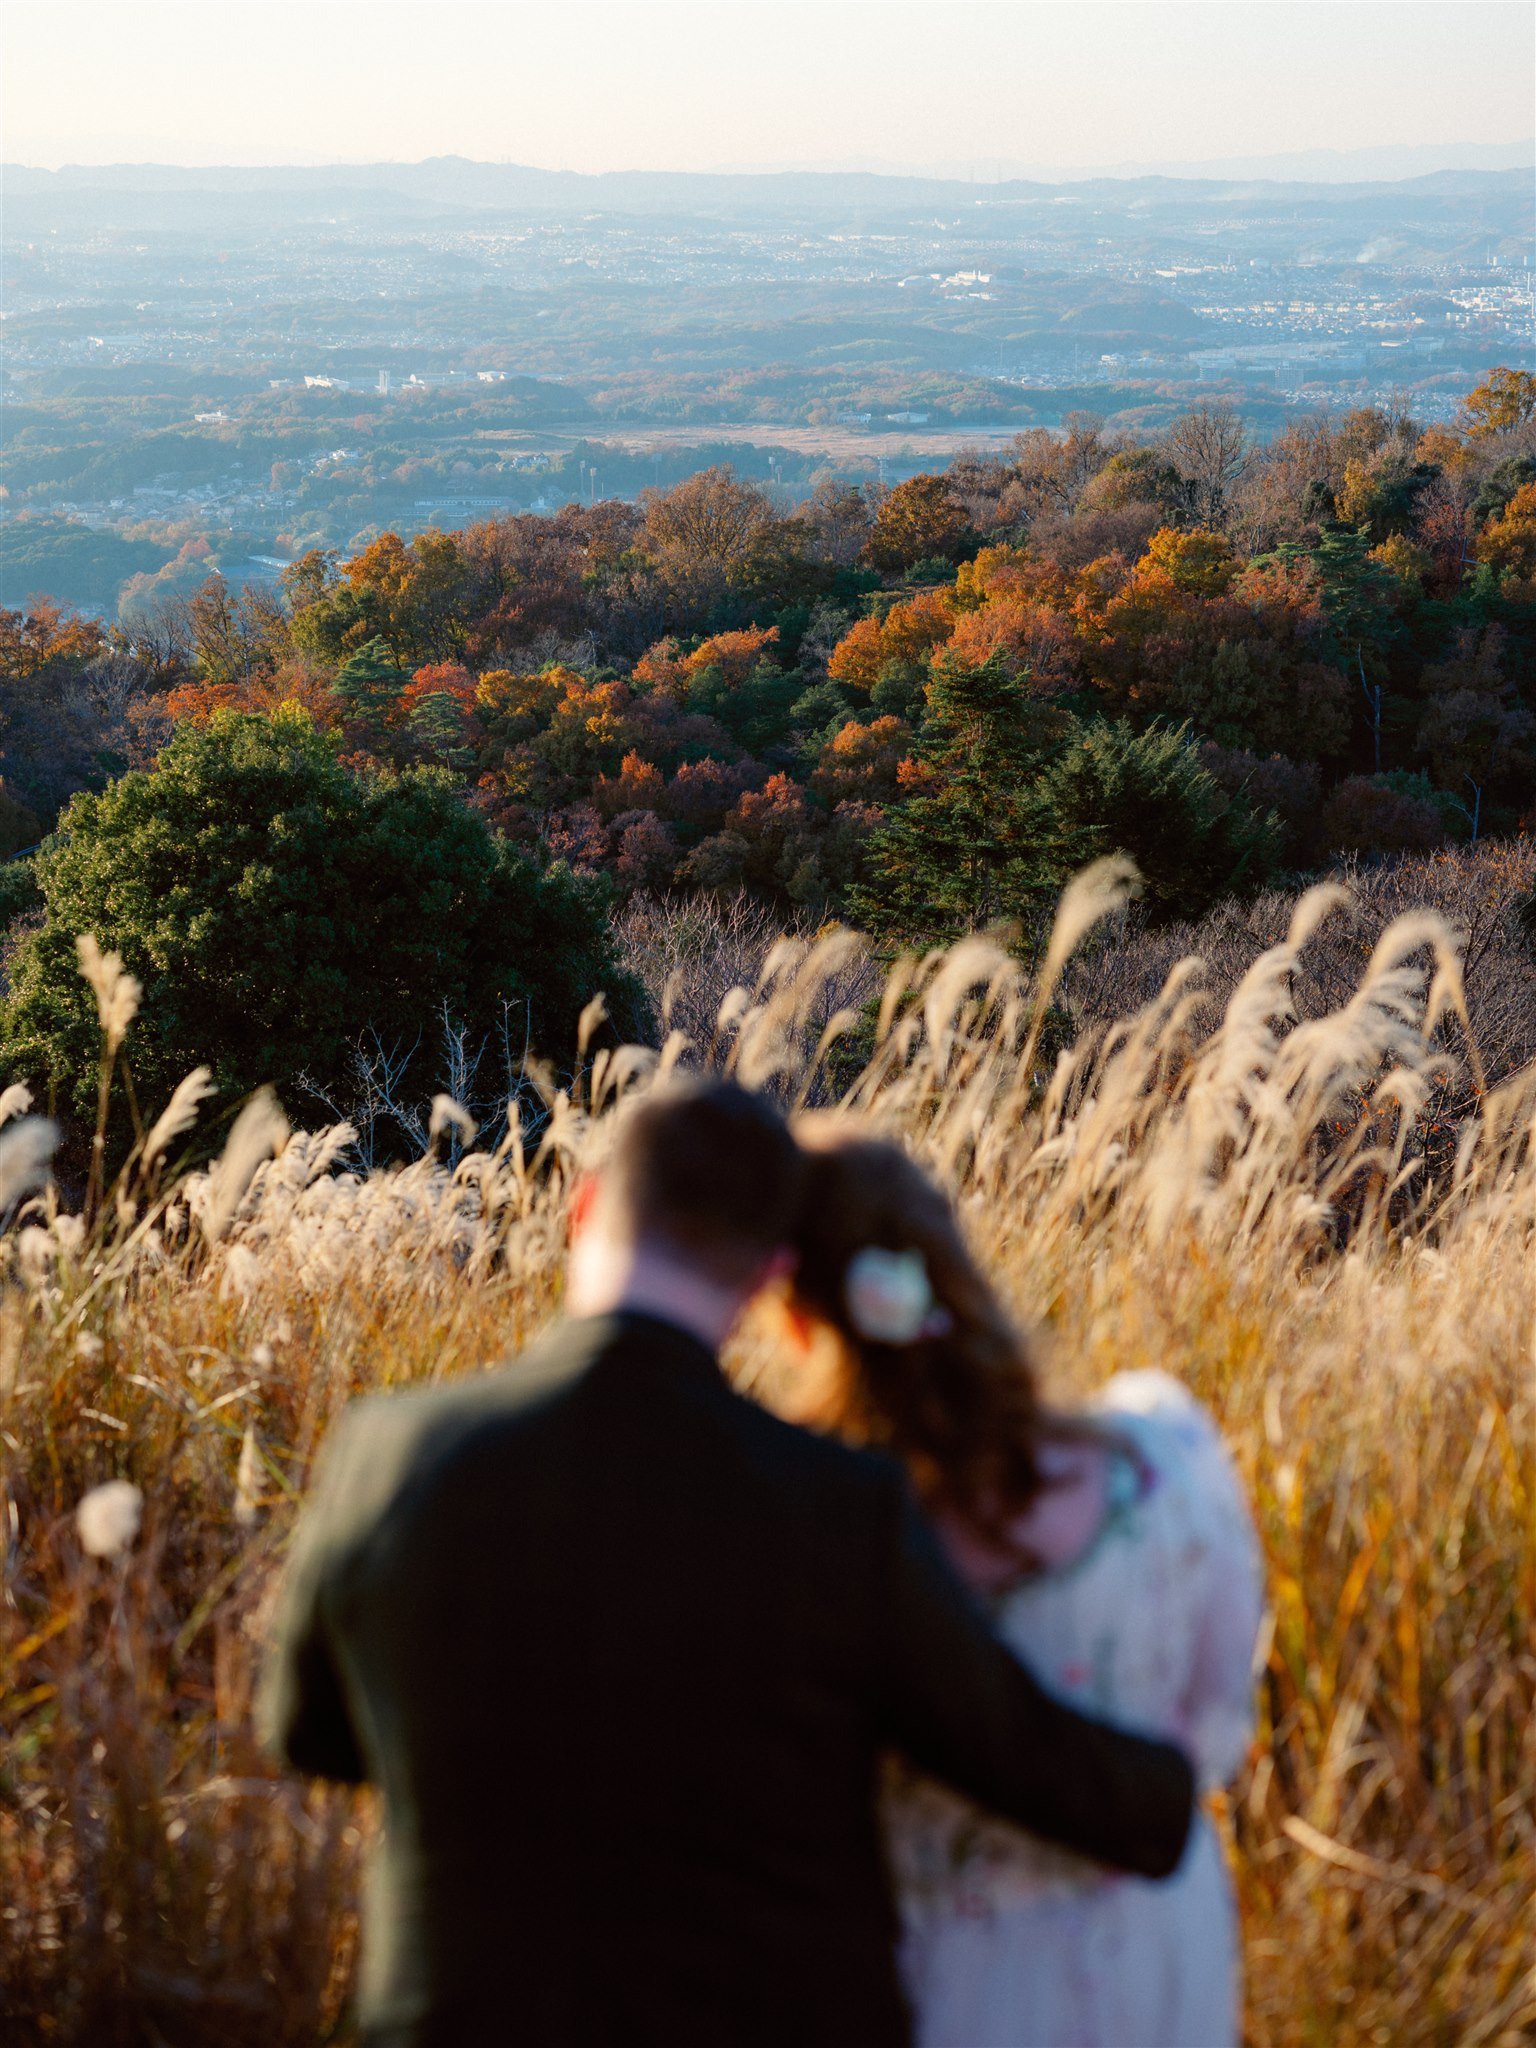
(254, 362)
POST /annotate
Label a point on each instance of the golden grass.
(1243, 1208)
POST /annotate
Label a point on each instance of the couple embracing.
(695, 1727)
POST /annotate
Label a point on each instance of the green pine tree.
(369, 681)
(1112, 789)
(971, 844)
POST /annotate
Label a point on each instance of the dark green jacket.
(623, 1652)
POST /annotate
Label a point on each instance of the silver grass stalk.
(258, 1131)
(179, 1114)
(677, 1043)
(1103, 887)
(116, 990)
(26, 1152)
(248, 1481)
(592, 1018)
(974, 961)
(15, 1101)
(450, 1115)
(624, 1070)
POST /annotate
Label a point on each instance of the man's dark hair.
(708, 1169)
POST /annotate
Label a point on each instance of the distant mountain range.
(172, 195)
(1391, 162)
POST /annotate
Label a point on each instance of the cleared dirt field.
(843, 445)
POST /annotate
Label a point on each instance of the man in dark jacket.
(622, 1652)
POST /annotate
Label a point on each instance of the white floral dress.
(1009, 1943)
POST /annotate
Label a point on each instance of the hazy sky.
(581, 85)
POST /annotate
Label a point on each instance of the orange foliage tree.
(291, 682)
(1506, 398)
(922, 520)
(732, 655)
(1508, 543)
(1030, 640)
(872, 650)
(862, 762)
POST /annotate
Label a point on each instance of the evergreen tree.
(754, 709)
(1360, 601)
(275, 906)
(1112, 789)
(1001, 810)
(1358, 594)
(370, 681)
(969, 845)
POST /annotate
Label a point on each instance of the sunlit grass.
(1251, 1209)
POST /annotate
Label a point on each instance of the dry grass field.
(843, 445)
(1325, 1225)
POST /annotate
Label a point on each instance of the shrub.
(19, 826)
(1291, 789)
(1374, 814)
(19, 894)
(1114, 790)
(274, 905)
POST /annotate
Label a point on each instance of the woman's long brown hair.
(959, 1409)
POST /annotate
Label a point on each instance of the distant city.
(224, 368)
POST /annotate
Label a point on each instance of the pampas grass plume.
(116, 990)
(14, 1101)
(248, 1481)
(450, 1115)
(179, 1114)
(108, 1517)
(26, 1150)
(257, 1132)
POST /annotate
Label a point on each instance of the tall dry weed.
(1256, 1195)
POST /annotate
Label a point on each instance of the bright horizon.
(589, 85)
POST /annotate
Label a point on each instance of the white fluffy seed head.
(108, 1517)
(248, 1482)
(26, 1150)
(116, 990)
(179, 1114)
(36, 1252)
(14, 1101)
(450, 1115)
(257, 1132)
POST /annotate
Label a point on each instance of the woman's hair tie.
(889, 1297)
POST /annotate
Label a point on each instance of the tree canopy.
(712, 689)
(274, 904)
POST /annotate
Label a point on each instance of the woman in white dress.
(1119, 1559)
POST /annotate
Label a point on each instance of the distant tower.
(383, 383)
